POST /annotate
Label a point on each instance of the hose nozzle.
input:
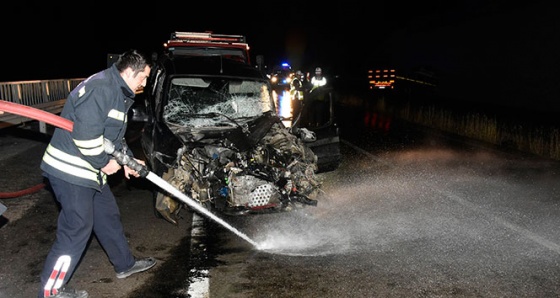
(124, 159)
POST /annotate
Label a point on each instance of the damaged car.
(211, 130)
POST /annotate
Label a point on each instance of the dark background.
(482, 51)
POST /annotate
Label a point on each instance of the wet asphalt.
(409, 213)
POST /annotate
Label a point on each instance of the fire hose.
(121, 158)
(37, 114)
(16, 194)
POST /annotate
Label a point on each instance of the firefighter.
(77, 167)
(296, 92)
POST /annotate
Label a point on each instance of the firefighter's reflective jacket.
(296, 89)
(98, 107)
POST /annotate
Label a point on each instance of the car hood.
(245, 134)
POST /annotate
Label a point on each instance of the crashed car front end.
(236, 156)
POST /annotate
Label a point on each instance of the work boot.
(70, 293)
(139, 266)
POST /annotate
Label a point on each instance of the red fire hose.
(15, 194)
(37, 114)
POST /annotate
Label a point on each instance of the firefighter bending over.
(296, 93)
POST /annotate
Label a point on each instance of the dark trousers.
(83, 211)
(318, 112)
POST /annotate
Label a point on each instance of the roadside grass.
(542, 140)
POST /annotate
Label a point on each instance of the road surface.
(407, 215)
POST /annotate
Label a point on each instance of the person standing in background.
(318, 80)
(296, 93)
(319, 105)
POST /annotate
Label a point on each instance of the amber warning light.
(381, 78)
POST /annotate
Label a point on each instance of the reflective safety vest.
(296, 89)
(316, 82)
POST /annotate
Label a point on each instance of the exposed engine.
(267, 168)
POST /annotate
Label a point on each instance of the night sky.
(480, 50)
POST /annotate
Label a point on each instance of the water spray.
(124, 159)
(121, 158)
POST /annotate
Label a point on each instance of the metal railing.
(48, 95)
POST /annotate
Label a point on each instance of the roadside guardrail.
(47, 95)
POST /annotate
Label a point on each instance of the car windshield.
(202, 102)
